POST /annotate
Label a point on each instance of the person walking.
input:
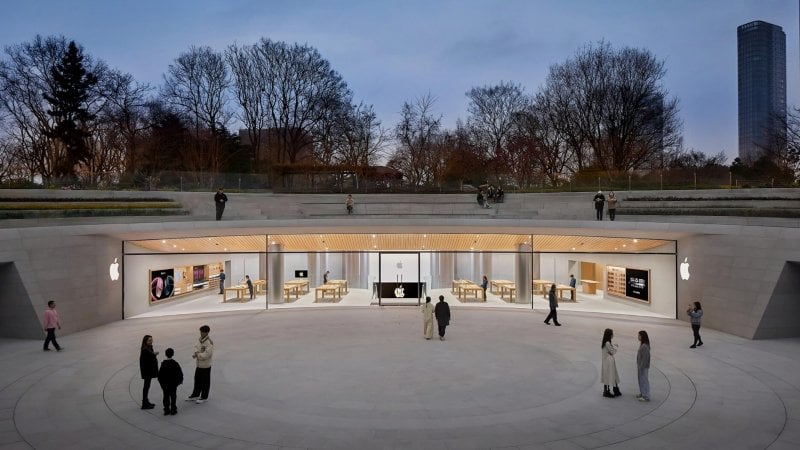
(221, 281)
(695, 314)
(612, 205)
(599, 200)
(249, 283)
(553, 305)
(609, 374)
(442, 312)
(349, 202)
(170, 376)
(148, 368)
(219, 200)
(484, 285)
(203, 352)
(427, 319)
(50, 324)
(643, 366)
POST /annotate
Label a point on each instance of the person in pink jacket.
(50, 324)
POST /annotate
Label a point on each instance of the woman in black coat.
(148, 366)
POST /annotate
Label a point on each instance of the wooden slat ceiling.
(400, 242)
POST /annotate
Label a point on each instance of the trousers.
(202, 382)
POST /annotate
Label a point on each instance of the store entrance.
(400, 280)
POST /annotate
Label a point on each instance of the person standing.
(170, 376)
(51, 322)
(609, 374)
(203, 352)
(326, 276)
(442, 313)
(148, 367)
(349, 202)
(219, 200)
(572, 281)
(599, 201)
(221, 281)
(553, 305)
(695, 314)
(612, 205)
(249, 283)
(643, 366)
(427, 319)
(480, 198)
(484, 285)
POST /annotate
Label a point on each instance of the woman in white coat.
(427, 318)
(608, 374)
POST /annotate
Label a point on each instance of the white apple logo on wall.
(113, 270)
(685, 269)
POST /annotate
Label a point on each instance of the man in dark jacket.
(220, 199)
(442, 313)
(599, 201)
(170, 376)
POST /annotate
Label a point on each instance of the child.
(169, 377)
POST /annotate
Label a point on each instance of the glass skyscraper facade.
(762, 88)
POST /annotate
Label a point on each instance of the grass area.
(51, 205)
(706, 211)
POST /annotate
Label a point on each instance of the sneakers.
(699, 344)
(441, 338)
(191, 399)
(59, 349)
(200, 401)
(558, 324)
(638, 396)
(642, 399)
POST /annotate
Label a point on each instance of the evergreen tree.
(68, 107)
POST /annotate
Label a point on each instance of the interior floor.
(363, 298)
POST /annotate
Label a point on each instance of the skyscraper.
(762, 87)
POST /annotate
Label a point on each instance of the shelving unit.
(615, 281)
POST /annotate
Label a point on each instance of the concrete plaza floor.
(356, 377)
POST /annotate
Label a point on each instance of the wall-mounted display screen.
(162, 284)
(199, 274)
(637, 284)
(301, 274)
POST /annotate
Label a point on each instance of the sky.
(390, 52)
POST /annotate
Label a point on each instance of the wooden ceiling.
(398, 242)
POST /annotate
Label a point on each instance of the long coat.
(608, 374)
(553, 300)
(427, 320)
(442, 312)
(148, 363)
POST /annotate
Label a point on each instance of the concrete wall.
(72, 271)
(735, 277)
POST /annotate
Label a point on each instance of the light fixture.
(573, 249)
(373, 236)
(635, 240)
(226, 249)
(624, 245)
(163, 241)
(174, 246)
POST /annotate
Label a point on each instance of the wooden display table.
(589, 286)
(511, 289)
(259, 286)
(302, 285)
(343, 283)
(322, 291)
(541, 287)
(561, 288)
(241, 291)
(457, 283)
(496, 285)
(289, 289)
(465, 289)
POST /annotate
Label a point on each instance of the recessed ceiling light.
(163, 241)
(273, 242)
(472, 248)
(374, 246)
(183, 249)
(373, 236)
(226, 249)
(624, 245)
(174, 246)
(635, 240)
(615, 248)
(573, 249)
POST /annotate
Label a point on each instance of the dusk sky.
(391, 52)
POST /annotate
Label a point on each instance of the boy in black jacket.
(169, 377)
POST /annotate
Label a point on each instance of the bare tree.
(415, 135)
(25, 75)
(196, 84)
(491, 114)
(250, 87)
(125, 115)
(301, 89)
(613, 101)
